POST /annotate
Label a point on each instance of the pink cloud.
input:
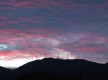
(38, 3)
(37, 42)
(9, 22)
(3, 18)
(86, 43)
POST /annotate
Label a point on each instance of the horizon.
(18, 66)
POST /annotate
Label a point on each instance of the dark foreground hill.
(5, 73)
(57, 69)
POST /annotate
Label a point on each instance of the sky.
(31, 29)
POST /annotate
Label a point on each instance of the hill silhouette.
(5, 73)
(58, 69)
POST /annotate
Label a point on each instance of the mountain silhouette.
(58, 69)
(5, 73)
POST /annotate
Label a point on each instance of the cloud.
(40, 41)
(70, 4)
(36, 3)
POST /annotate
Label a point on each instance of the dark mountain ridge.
(5, 73)
(58, 69)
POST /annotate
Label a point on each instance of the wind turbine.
(78, 55)
(58, 55)
(36, 56)
(67, 56)
(45, 55)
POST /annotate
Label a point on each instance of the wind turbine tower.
(67, 56)
(58, 55)
(78, 55)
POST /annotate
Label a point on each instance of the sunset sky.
(29, 29)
